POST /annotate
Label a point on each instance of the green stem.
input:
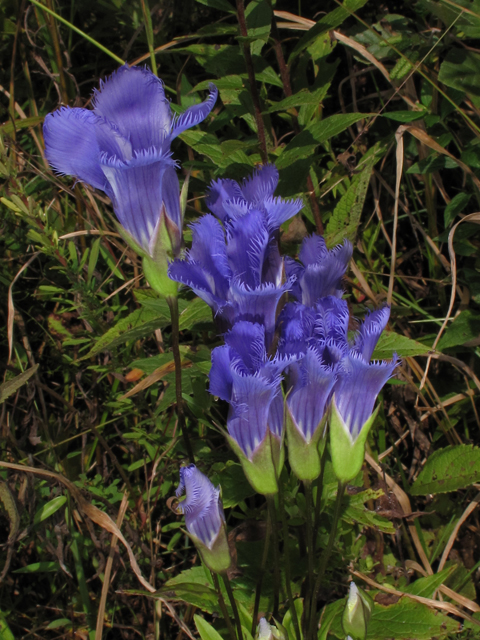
(149, 31)
(231, 597)
(258, 588)
(286, 562)
(276, 554)
(325, 557)
(319, 494)
(79, 31)
(310, 545)
(223, 606)
(173, 305)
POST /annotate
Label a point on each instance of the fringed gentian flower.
(236, 268)
(266, 631)
(319, 339)
(321, 271)
(355, 393)
(243, 375)
(204, 517)
(122, 147)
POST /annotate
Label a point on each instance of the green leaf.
(404, 620)
(49, 509)
(193, 586)
(390, 343)
(10, 387)
(459, 70)
(39, 567)
(258, 15)
(456, 205)
(404, 116)
(345, 220)
(197, 312)
(9, 127)
(92, 262)
(205, 629)
(5, 631)
(426, 587)
(138, 324)
(449, 469)
(357, 513)
(304, 96)
(331, 21)
(305, 143)
(222, 5)
(464, 328)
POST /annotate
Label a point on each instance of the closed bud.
(266, 631)
(357, 613)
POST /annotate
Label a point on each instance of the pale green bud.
(357, 613)
(266, 631)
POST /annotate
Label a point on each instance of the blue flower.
(204, 517)
(318, 338)
(236, 266)
(320, 272)
(244, 376)
(122, 147)
(361, 381)
(355, 394)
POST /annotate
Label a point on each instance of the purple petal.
(171, 196)
(202, 283)
(331, 319)
(309, 397)
(247, 343)
(134, 100)
(202, 506)
(220, 375)
(370, 331)
(250, 407)
(261, 184)
(276, 418)
(257, 305)
(219, 193)
(137, 192)
(247, 246)
(279, 211)
(358, 387)
(313, 250)
(209, 250)
(71, 145)
(296, 322)
(195, 114)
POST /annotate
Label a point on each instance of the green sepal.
(217, 558)
(156, 273)
(347, 453)
(266, 464)
(357, 612)
(304, 457)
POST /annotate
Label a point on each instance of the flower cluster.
(236, 267)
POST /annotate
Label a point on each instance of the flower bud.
(357, 613)
(204, 518)
(266, 631)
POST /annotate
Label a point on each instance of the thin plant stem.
(173, 305)
(251, 79)
(276, 554)
(223, 606)
(258, 588)
(318, 501)
(231, 597)
(149, 31)
(286, 562)
(325, 557)
(79, 31)
(310, 545)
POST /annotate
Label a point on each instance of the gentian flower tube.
(204, 518)
(355, 393)
(244, 376)
(357, 612)
(320, 339)
(122, 147)
(320, 271)
(234, 263)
